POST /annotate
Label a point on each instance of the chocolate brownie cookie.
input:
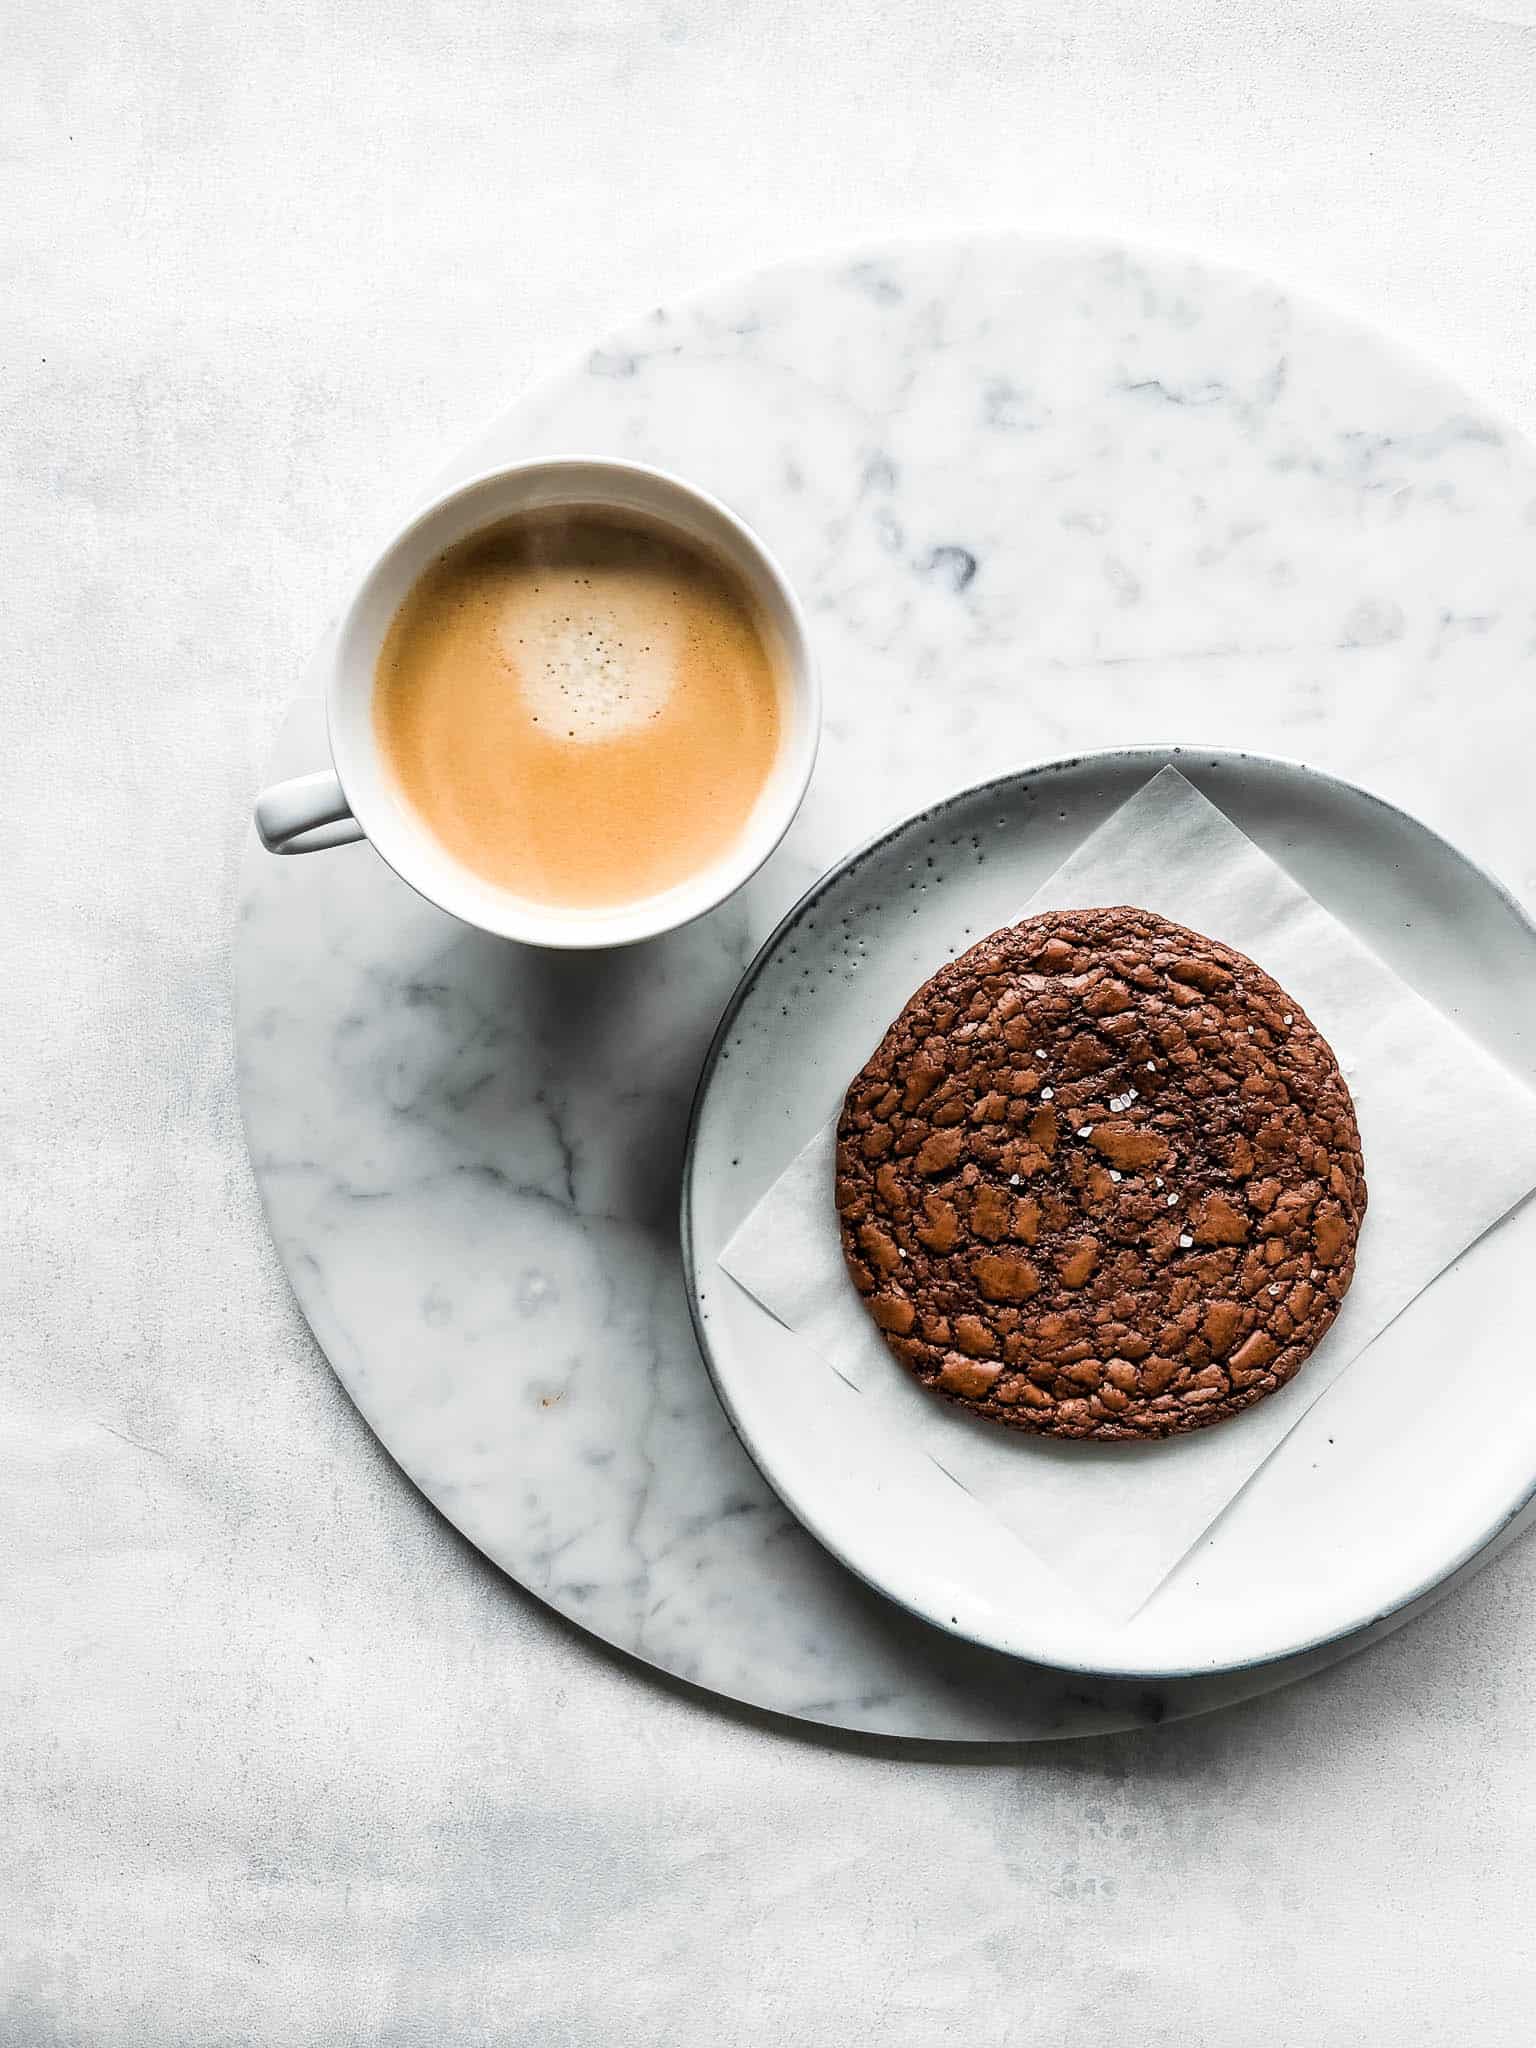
(1101, 1179)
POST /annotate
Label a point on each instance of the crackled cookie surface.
(1101, 1179)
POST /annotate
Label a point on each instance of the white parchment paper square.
(1449, 1138)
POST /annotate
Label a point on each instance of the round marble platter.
(1037, 497)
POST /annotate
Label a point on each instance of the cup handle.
(306, 814)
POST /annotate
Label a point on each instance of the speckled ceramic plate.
(1386, 1486)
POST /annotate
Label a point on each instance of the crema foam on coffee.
(581, 707)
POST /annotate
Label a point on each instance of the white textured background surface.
(280, 1760)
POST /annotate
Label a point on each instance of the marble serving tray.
(1037, 497)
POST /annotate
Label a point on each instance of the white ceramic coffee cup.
(358, 798)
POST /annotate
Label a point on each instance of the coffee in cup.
(581, 706)
(572, 702)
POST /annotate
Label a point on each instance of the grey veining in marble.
(1037, 498)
